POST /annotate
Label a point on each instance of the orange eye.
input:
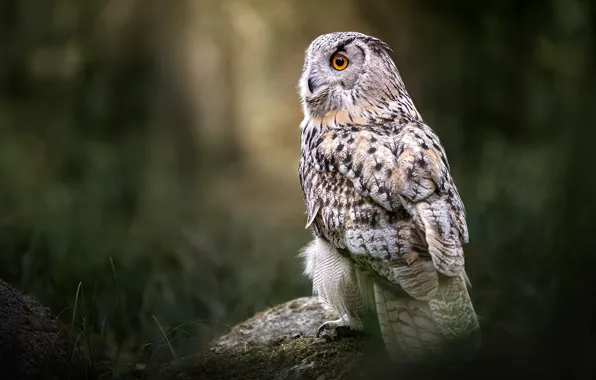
(339, 62)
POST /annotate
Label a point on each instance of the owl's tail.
(412, 329)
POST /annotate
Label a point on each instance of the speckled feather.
(363, 183)
(378, 192)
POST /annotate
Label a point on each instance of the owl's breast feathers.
(384, 191)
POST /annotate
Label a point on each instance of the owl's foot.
(336, 329)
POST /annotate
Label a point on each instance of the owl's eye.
(339, 62)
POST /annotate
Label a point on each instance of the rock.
(294, 319)
(33, 343)
(278, 343)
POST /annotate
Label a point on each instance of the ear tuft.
(379, 44)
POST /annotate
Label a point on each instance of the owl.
(388, 222)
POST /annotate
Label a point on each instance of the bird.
(387, 220)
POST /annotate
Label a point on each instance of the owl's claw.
(338, 326)
(329, 325)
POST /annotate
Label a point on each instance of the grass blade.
(166, 338)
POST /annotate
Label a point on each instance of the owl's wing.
(407, 168)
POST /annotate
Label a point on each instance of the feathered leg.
(340, 286)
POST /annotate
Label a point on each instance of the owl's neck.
(314, 127)
(400, 111)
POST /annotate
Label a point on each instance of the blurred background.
(149, 152)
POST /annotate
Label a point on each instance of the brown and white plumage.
(388, 221)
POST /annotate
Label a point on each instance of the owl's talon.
(340, 330)
(324, 327)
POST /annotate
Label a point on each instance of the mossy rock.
(278, 343)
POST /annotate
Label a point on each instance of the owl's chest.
(340, 214)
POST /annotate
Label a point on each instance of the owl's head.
(346, 69)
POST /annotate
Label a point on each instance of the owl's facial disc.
(332, 72)
(349, 71)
